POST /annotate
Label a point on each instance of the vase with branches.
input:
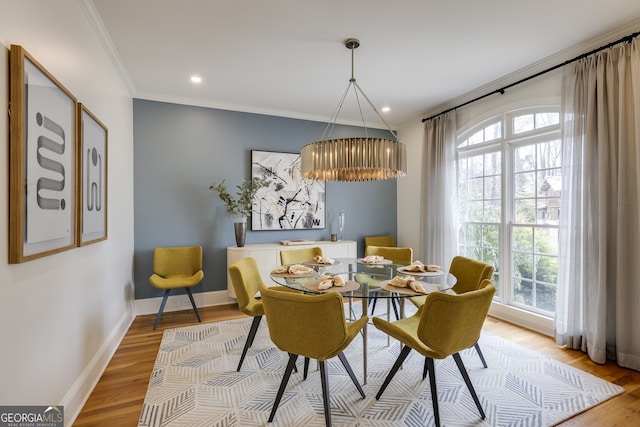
(238, 207)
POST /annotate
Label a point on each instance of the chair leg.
(306, 368)
(480, 355)
(283, 384)
(467, 380)
(324, 378)
(395, 308)
(164, 302)
(434, 392)
(375, 300)
(193, 303)
(425, 370)
(250, 337)
(347, 367)
(403, 355)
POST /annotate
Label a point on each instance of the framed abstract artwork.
(42, 161)
(285, 199)
(92, 185)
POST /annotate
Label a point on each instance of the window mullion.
(507, 221)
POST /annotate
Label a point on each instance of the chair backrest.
(313, 326)
(449, 323)
(177, 261)
(297, 256)
(378, 241)
(397, 255)
(246, 280)
(470, 273)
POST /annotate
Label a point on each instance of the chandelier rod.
(353, 44)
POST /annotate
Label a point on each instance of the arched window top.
(484, 133)
(533, 120)
(511, 124)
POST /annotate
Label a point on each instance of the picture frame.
(92, 182)
(285, 199)
(42, 161)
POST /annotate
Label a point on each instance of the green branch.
(242, 204)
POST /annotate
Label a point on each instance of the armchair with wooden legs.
(399, 255)
(445, 325)
(174, 268)
(246, 280)
(298, 256)
(379, 241)
(312, 326)
(470, 274)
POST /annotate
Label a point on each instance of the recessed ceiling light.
(386, 109)
(196, 79)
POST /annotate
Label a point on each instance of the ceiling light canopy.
(354, 159)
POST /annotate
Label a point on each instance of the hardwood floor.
(117, 398)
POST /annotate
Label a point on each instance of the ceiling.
(287, 57)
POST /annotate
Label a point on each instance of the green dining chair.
(246, 280)
(445, 325)
(470, 273)
(298, 256)
(378, 241)
(399, 255)
(313, 326)
(176, 267)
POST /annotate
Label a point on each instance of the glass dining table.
(363, 281)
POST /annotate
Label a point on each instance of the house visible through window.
(509, 185)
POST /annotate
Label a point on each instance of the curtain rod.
(624, 39)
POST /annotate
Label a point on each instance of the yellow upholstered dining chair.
(313, 326)
(176, 267)
(298, 256)
(378, 241)
(395, 254)
(445, 325)
(470, 274)
(399, 255)
(246, 280)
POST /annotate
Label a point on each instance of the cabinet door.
(267, 260)
(340, 250)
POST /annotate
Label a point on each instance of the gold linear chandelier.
(354, 159)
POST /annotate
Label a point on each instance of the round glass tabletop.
(360, 279)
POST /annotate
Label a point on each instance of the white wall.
(409, 188)
(62, 316)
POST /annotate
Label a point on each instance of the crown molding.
(539, 66)
(196, 102)
(93, 17)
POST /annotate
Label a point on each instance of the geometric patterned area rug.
(195, 383)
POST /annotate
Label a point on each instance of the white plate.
(420, 273)
(312, 263)
(429, 287)
(383, 262)
(312, 285)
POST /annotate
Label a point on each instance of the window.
(509, 185)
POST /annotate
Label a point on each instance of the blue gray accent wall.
(179, 151)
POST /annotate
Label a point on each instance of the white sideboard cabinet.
(267, 256)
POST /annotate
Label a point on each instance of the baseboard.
(528, 320)
(180, 302)
(82, 388)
